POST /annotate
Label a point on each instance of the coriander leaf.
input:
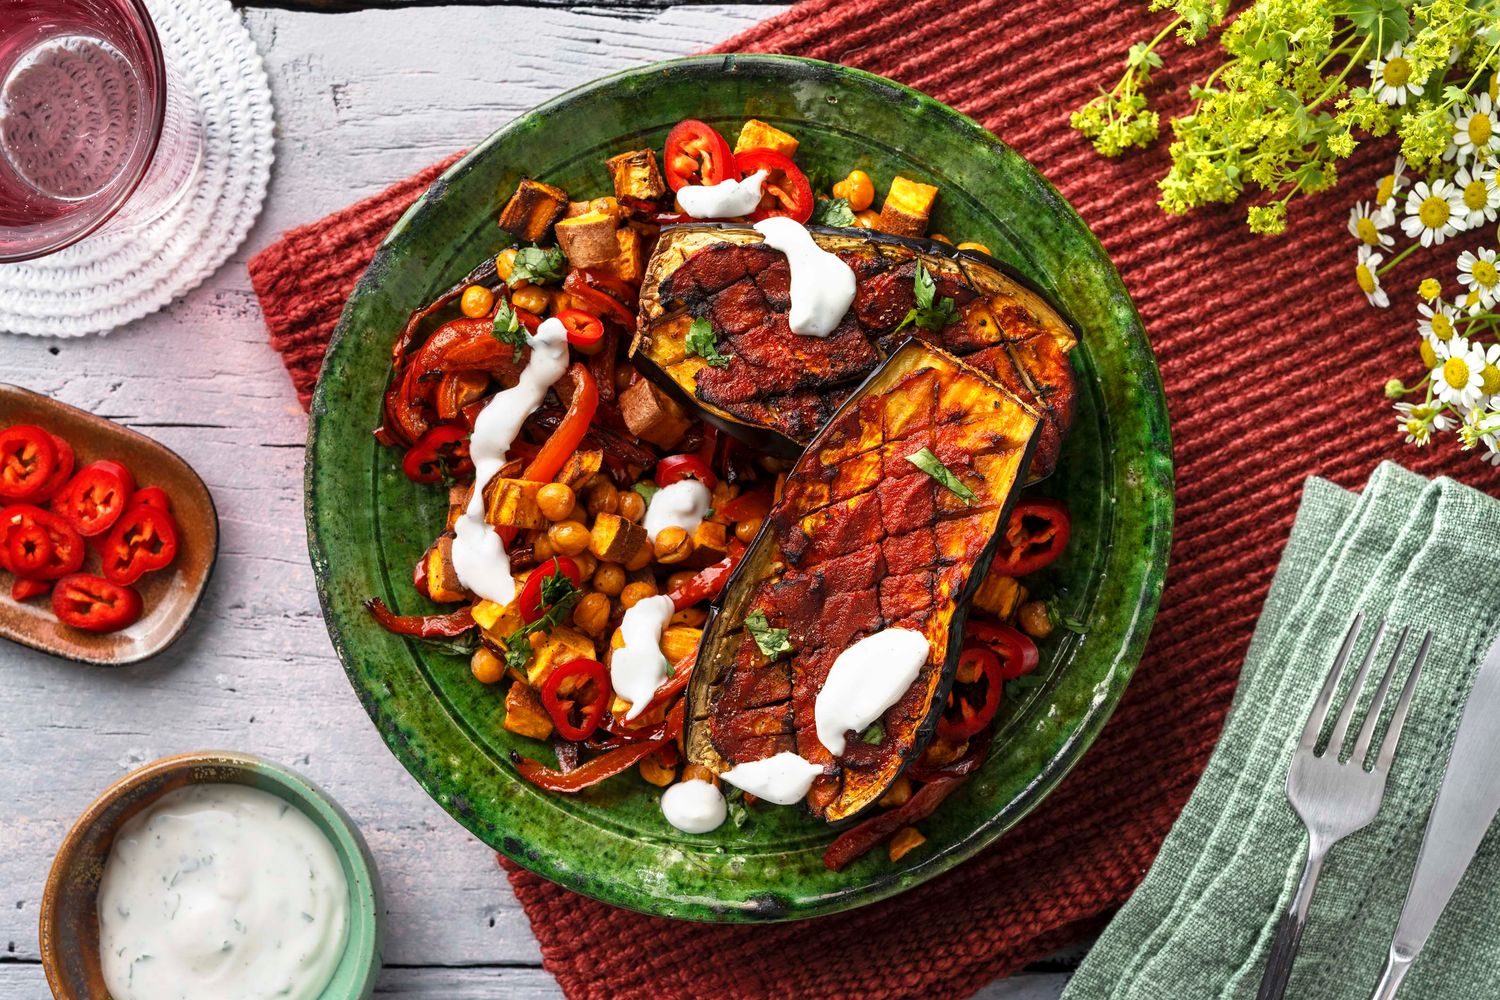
(833, 212)
(556, 587)
(518, 655)
(772, 641)
(462, 645)
(932, 312)
(538, 265)
(739, 814)
(508, 329)
(820, 179)
(701, 341)
(646, 490)
(928, 463)
(558, 595)
(874, 734)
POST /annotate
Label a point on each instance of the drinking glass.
(96, 128)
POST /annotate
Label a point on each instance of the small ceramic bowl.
(70, 919)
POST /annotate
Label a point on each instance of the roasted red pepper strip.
(440, 453)
(858, 841)
(606, 765)
(675, 468)
(1017, 651)
(707, 585)
(1035, 534)
(61, 472)
(460, 345)
(979, 749)
(28, 457)
(68, 548)
(695, 153)
(585, 671)
(961, 719)
(569, 434)
(529, 601)
(28, 549)
(92, 603)
(608, 297)
(682, 672)
(95, 497)
(142, 541)
(24, 589)
(421, 626)
(747, 506)
(786, 191)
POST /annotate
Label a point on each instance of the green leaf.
(646, 490)
(556, 586)
(772, 641)
(928, 463)
(702, 342)
(931, 312)
(463, 645)
(833, 212)
(558, 597)
(1384, 21)
(734, 800)
(538, 265)
(508, 329)
(874, 734)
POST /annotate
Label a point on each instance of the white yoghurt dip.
(724, 200)
(637, 668)
(783, 779)
(694, 806)
(684, 504)
(866, 679)
(479, 557)
(822, 285)
(223, 891)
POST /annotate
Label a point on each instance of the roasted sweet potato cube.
(636, 175)
(1000, 595)
(653, 416)
(605, 206)
(907, 207)
(758, 135)
(532, 210)
(678, 641)
(443, 584)
(554, 648)
(580, 467)
(710, 544)
(458, 502)
(629, 263)
(588, 239)
(498, 621)
(525, 715)
(512, 503)
(614, 539)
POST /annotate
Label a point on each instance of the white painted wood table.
(363, 98)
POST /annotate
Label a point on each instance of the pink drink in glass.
(94, 127)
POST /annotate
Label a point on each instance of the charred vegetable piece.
(908, 206)
(862, 540)
(777, 388)
(532, 210)
(636, 175)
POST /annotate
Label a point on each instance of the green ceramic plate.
(367, 524)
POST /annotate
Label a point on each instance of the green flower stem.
(1382, 269)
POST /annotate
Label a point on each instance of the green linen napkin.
(1421, 554)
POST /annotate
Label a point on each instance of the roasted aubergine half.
(777, 388)
(863, 539)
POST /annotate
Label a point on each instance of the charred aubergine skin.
(862, 540)
(778, 388)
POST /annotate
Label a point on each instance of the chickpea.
(603, 498)
(677, 579)
(868, 219)
(745, 530)
(486, 666)
(556, 500)
(979, 247)
(672, 545)
(578, 513)
(691, 617)
(592, 613)
(587, 563)
(505, 262)
(1034, 619)
(641, 559)
(636, 592)
(476, 301)
(632, 506)
(530, 298)
(541, 549)
(609, 579)
(857, 189)
(568, 538)
(699, 772)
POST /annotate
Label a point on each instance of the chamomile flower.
(1434, 213)
(1479, 193)
(1458, 375)
(1391, 186)
(1437, 320)
(1368, 277)
(1368, 224)
(1415, 421)
(1478, 272)
(1475, 132)
(1391, 80)
(1489, 375)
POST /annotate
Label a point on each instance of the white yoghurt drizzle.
(636, 669)
(694, 806)
(822, 285)
(725, 200)
(684, 504)
(783, 779)
(866, 679)
(479, 556)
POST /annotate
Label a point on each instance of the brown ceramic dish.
(169, 597)
(69, 931)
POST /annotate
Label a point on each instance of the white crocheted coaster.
(111, 279)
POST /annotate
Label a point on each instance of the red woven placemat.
(1273, 366)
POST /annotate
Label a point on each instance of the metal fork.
(1333, 798)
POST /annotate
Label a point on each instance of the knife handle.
(1396, 967)
(1289, 929)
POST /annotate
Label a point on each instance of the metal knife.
(1466, 804)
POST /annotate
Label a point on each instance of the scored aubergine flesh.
(779, 388)
(863, 540)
